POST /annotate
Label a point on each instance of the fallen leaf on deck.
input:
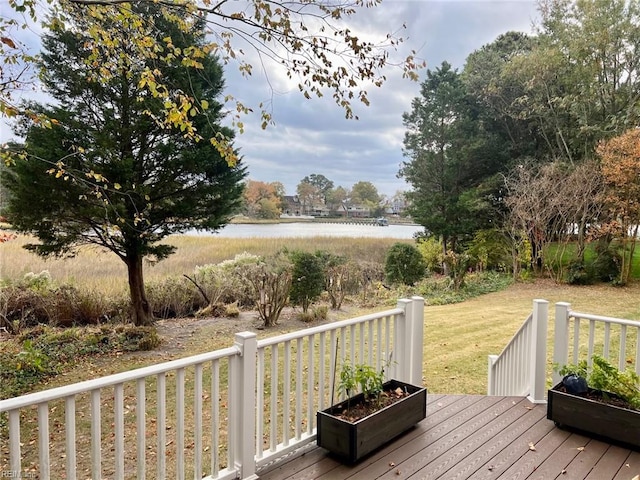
(532, 446)
(580, 449)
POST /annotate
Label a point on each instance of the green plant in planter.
(607, 378)
(363, 377)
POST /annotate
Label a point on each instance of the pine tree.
(146, 179)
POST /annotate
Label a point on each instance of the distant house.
(355, 211)
(397, 206)
(292, 205)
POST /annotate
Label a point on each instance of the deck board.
(474, 437)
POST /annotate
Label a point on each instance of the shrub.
(340, 277)
(431, 250)
(225, 282)
(270, 280)
(307, 279)
(35, 302)
(607, 264)
(404, 264)
(370, 274)
(173, 297)
(579, 274)
(490, 249)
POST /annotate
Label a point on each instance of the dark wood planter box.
(609, 422)
(351, 441)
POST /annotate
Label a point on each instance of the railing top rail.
(108, 381)
(600, 318)
(270, 341)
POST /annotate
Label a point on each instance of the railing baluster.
(180, 379)
(118, 406)
(286, 394)
(161, 425)
(352, 345)
(197, 420)
(361, 342)
(141, 428)
(299, 389)
(43, 440)
(70, 436)
(607, 340)
(388, 341)
(260, 404)
(333, 365)
(15, 455)
(215, 416)
(592, 337)
(576, 341)
(622, 360)
(274, 399)
(96, 436)
(380, 339)
(311, 377)
(371, 344)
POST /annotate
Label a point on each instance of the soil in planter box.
(357, 410)
(602, 397)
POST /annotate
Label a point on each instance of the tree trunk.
(445, 266)
(142, 314)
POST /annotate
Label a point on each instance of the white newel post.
(561, 338)
(402, 342)
(243, 401)
(417, 350)
(538, 364)
(491, 378)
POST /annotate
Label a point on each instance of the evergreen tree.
(144, 178)
(437, 143)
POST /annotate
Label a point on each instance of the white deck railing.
(616, 339)
(519, 369)
(218, 415)
(522, 368)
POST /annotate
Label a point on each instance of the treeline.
(527, 158)
(315, 192)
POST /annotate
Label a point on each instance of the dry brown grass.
(96, 268)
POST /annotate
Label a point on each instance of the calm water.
(306, 229)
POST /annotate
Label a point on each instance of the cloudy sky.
(312, 136)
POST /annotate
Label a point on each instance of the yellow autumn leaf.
(204, 104)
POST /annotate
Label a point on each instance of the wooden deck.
(475, 437)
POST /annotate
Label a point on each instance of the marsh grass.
(98, 269)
